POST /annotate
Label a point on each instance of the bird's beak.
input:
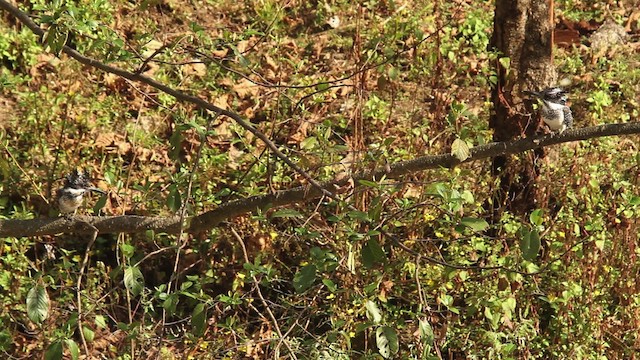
(96, 190)
(533, 93)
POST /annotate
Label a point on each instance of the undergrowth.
(410, 268)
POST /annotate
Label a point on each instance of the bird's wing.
(568, 117)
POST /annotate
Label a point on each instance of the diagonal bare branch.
(210, 219)
(200, 103)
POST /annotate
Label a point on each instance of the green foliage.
(404, 268)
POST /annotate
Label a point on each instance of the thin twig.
(85, 261)
(26, 174)
(262, 299)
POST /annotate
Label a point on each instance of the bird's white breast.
(553, 115)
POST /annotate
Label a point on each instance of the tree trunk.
(523, 33)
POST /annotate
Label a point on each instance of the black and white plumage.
(70, 196)
(554, 112)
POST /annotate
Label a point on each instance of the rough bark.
(523, 31)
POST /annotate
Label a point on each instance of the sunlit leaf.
(101, 321)
(475, 224)
(536, 217)
(89, 334)
(426, 331)
(460, 149)
(73, 349)
(505, 62)
(387, 341)
(133, 280)
(37, 304)
(373, 313)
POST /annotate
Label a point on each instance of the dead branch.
(210, 219)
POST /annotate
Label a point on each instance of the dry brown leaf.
(301, 132)
(413, 191)
(220, 53)
(242, 46)
(151, 68)
(104, 140)
(195, 69)
(235, 156)
(270, 62)
(271, 75)
(223, 131)
(151, 48)
(222, 101)
(245, 88)
(110, 79)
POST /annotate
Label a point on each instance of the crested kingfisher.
(70, 196)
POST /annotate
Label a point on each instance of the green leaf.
(54, 352)
(635, 200)
(536, 217)
(460, 149)
(467, 196)
(387, 341)
(54, 39)
(73, 349)
(101, 321)
(393, 73)
(439, 189)
(304, 278)
(505, 62)
(330, 285)
(475, 224)
(174, 200)
(127, 250)
(286, 213)
(133, 280)
(89, 334)
(171, 303)
(529, 244)
(426, 331)
(373, 313)
(372, 253)
(37, 304)
(186, 285)
(309, 143)
(102, 201)
(241, 59)
(359, 215)
(199, 320)
(368, 183)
